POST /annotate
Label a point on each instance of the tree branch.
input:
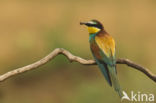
(72, 58)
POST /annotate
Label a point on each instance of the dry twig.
(72, 58)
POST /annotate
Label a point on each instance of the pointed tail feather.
(114, 79)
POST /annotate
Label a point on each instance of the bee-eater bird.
(102, 46)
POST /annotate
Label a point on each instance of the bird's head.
(94, 26)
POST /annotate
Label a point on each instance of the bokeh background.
(30, 29)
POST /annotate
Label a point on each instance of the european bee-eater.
(102, 46)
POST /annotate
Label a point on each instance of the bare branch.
(72, 58)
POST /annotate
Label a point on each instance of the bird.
(102, 46)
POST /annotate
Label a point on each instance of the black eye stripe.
(94, 25)
(97, 24)
(91, 24)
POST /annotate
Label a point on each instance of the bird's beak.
(83, 23)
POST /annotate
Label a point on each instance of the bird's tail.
(114, 79)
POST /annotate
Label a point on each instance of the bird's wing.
(106, 45)
(103, 66)
(107, 48)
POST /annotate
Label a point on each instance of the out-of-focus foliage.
(30, 29)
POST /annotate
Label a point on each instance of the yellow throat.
(93, 30)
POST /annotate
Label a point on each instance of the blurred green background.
(30, 29)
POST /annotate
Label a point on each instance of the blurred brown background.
(30, 29)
